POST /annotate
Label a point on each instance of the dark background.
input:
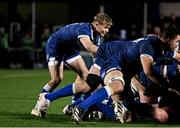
(127, 15)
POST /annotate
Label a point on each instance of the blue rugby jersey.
(149, 45)
(67, 37)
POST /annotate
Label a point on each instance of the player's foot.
(77, 114)
(120, 111)
(68, 110)
(44, 103)
(36, 112)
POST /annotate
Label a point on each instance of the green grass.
(18, 94)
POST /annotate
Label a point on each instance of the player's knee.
(119, 89)
(81, 88)
(93, 81)
(161, 115)
(117, 84)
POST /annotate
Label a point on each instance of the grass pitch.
(18, 93)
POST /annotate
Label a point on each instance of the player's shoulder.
(76, 24)
(151, 37)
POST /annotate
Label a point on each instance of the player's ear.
(167, 39)
(170, 39)
(97, 24)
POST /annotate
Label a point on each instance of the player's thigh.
(56, 71)
(79, 67)
(94, 70)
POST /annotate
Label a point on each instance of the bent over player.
(63, 47)
(118, 70)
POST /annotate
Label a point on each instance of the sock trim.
(109, 91)
(74, 88)
(47, 87)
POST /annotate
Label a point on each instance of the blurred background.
(26, 25)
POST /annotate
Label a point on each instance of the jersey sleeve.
(83, 31)
(170, 54)
(147, 49)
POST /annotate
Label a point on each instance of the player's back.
(72, 31)
(117, 47)
(112, 50)
(134, 51)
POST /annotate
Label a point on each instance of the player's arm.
(88, 45)
(147, 54)
(177, 56)
(147, 64)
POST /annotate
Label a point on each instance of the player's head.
(102, 22)
(171, 36)
(103, 18)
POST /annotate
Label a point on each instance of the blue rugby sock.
(96, 97)
(75, 97)
(78, 101)
(81, 99)
(62, 92)
(107, 110)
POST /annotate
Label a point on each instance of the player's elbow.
(148, 73)
(91, 50)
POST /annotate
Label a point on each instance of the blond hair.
(103, 19)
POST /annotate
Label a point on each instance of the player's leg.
(46, 98)
(68, 90)
(138, 91)
(114, 84)
(93, 80)
(68, 108)
(56, 73)
(76, 96)
(79, 67)
(82, 86)
(101, 111)
(119, 109)
(77, 64)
